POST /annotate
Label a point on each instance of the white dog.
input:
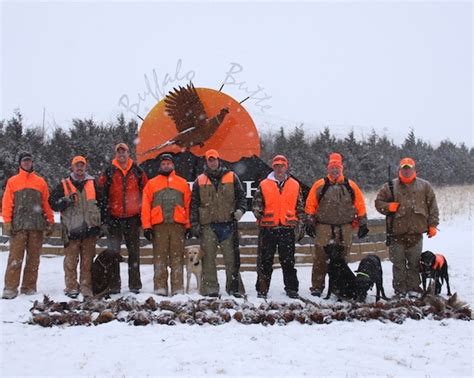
(193, 265)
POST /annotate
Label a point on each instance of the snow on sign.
(195, 120)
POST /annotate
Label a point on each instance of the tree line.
(53, 151)
(365, 160)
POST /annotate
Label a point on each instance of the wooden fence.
(373, 243)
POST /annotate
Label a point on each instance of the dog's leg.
(423, 281)
(437, 283)
(188, 278)
(329, 288)
(198, 282)
(382, 290)
(447, 284)
(377, 295)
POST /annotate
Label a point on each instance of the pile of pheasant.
(216, 311)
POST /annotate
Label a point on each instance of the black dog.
(434, 266)
(106, 273)
(342, 281)
(369, 273)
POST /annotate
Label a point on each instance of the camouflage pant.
(209, 244)
(406, 266)
(323, 237)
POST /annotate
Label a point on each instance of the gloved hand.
(432, 231)
(7, 229)
(148, 234)
(299, 231)
(238, 214)
(195, 231)
(393, 207)
(363, 231)
(69, 200)
(48, 231)
(310, 230)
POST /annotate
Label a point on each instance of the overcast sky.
(361, 65)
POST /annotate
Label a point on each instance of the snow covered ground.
(417, 348)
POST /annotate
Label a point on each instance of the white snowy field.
(415, 348)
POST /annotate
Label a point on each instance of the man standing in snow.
(411, 202)
(278, 206)
(122, 184)
(334, 206)
(218, 202)
(165, 218)
(26, 215)
(76, 198)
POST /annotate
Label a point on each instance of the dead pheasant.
(216, 311)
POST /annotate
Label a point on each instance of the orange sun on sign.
(235, 138)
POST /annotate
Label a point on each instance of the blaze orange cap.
(78, 159)
(212, 154)
(407, 162)
(335, 160)
(280, 159)
(121, 145)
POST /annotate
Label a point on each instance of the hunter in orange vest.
(165, 219)
(75, 197)
(334, 206)
(26, 215)
(217, 204)
(278, 207)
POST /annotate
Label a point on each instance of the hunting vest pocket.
(267, 219)
(157, 215)
(179, 214)
(93, 214)
(291, 218)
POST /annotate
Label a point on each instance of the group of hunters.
(123, 200)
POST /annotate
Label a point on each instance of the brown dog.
(193, 257)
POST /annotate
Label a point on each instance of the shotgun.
(235, 286)
(390, 216)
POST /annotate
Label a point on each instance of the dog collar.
(362, 274)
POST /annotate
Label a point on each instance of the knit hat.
(165, 157)
(23, 155)
(280, 159)
(407, 162)
(335, 160)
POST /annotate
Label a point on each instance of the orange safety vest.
(439, 261)
(280, 207)
(216, 204)
(225, 179)
(23, 193)
(166, 199)
(85, 213)
(69, 189)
